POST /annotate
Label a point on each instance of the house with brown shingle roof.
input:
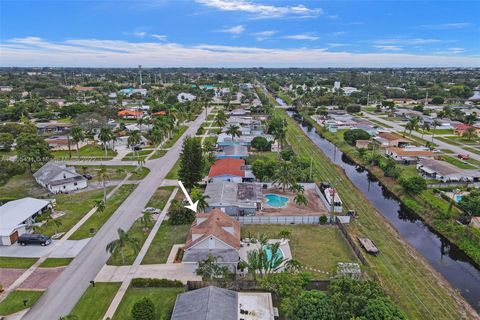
(409, 155)
(388, 139)
(214, 233)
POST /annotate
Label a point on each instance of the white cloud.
(447, 26)
(263, 35)
(34, 51)
(303, 36)
(336, 44)
(233, 30)
(160, 37)
(338, 33)
(405, 41)
(263, 10)
(388, 48)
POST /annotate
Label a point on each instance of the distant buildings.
(131, 91)
(184, 97)
(409, 155)
(387, 139)
(230, 169)
(446, 172)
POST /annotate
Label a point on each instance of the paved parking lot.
(68, 249)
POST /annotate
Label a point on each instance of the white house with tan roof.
(214, 233)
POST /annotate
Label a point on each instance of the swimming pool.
(268, 252)
(458, 197)
(275, 200)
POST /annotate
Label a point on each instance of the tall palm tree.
(105, 136)
(284, 175)
(221, 118)
(77, 136)
(103, 176)
(435, 124)
(234, 131)
(425, 127)
(124, 240)
(470, 134)
(100, 205)
(134, 138)
(412, 125)
(156, 136)
(197, 195)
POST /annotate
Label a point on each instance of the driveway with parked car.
(68, 249)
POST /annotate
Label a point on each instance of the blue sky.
(239, 33)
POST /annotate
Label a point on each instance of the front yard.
(162, 298)
(14, 301)
(88, 151)
(95, 301)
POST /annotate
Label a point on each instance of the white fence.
(280, 219)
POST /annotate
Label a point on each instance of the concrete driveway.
(68, 249)
(41, 278)
(172, 271)
(9, 275)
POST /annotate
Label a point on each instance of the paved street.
(441, 144)
(66, 290)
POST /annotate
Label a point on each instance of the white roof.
(13, 213)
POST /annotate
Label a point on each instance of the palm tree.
(425, 127)
(234, 131)
(105, 135)
(100, 205)
(134, 138)
(435, 124)
(470, 133)
(412, 125)
(292, 266)
(300, 199)
(285, 234)
(124, 240)
(146, 220)
(156, 135)
(221, 118)
(77, 136)
(284, 175)
(197, 195)
(102, 175)
(297, 188)
(54, 222)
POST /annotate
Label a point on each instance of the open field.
(165, 238)
(14, 301)
(95, 301)
(21, 186)
(162, 298)
(315, 246)
(398, 264)
(96, 221)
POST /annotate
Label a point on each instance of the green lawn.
(457, 162)
(437, 131)
(448, 151)
(315, 246)
(165, 238)
(139, 173)
(75, 206)
(14, 301)
(163, 298)
(405, 277)
(55, 262)
(95, 301)
(170, 142)
(135, 156)
(447, 140)
(477, 151)
(160, 197)
(21, 186)
(89, 151)
(379, 123)
(137, 231)
(158, 154)
(97, 220)
(173, 173)
(113, 172)
(268, 155)
(19, 263)
(211, 117)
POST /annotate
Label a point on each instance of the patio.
(314, 207)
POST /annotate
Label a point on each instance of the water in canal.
(446, 258)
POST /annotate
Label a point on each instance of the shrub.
(414, 185)
(323, 220)
(353, 108)
(143, 310)
(155, 283)
(179, 214)
(261, 144)
(351, 136)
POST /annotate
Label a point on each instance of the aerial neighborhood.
(259, 161)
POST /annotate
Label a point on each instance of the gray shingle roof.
(209, 303)
(222, 255)
(50, 170)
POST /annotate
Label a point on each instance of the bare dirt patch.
(314, 207)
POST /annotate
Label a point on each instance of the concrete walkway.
(129, 272)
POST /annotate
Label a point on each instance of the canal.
(445, 257)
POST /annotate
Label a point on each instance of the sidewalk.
(127, 273)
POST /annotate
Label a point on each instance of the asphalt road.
(62, 295)
(428, 137)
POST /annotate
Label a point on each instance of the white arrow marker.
(192, 206)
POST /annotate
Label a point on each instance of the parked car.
(151, 210)
(28, 238)
(87, 176)
(463, 156)
(137, 148)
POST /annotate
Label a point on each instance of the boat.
(330, 198)
(369, 245)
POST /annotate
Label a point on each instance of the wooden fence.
(356, 248)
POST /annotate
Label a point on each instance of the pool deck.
(246, 247)
(314, 207)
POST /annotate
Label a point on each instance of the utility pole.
(140, 72)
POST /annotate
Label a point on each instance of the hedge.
(155, 283)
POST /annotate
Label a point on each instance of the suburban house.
(212, 303)
(52, 127)
(184, 97)
(61, 143)
(238, 112)
(233, 151)
(387, 139)
(460, 129)
(362, 144)
(130, 114)
(214, 233)
(235, 199)
(58, 178)
(131, 91)
(446, 172)
(475, 222)
(224, 139)
(409, 155)
(17, 215)
(139, 127)
(230, 169)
